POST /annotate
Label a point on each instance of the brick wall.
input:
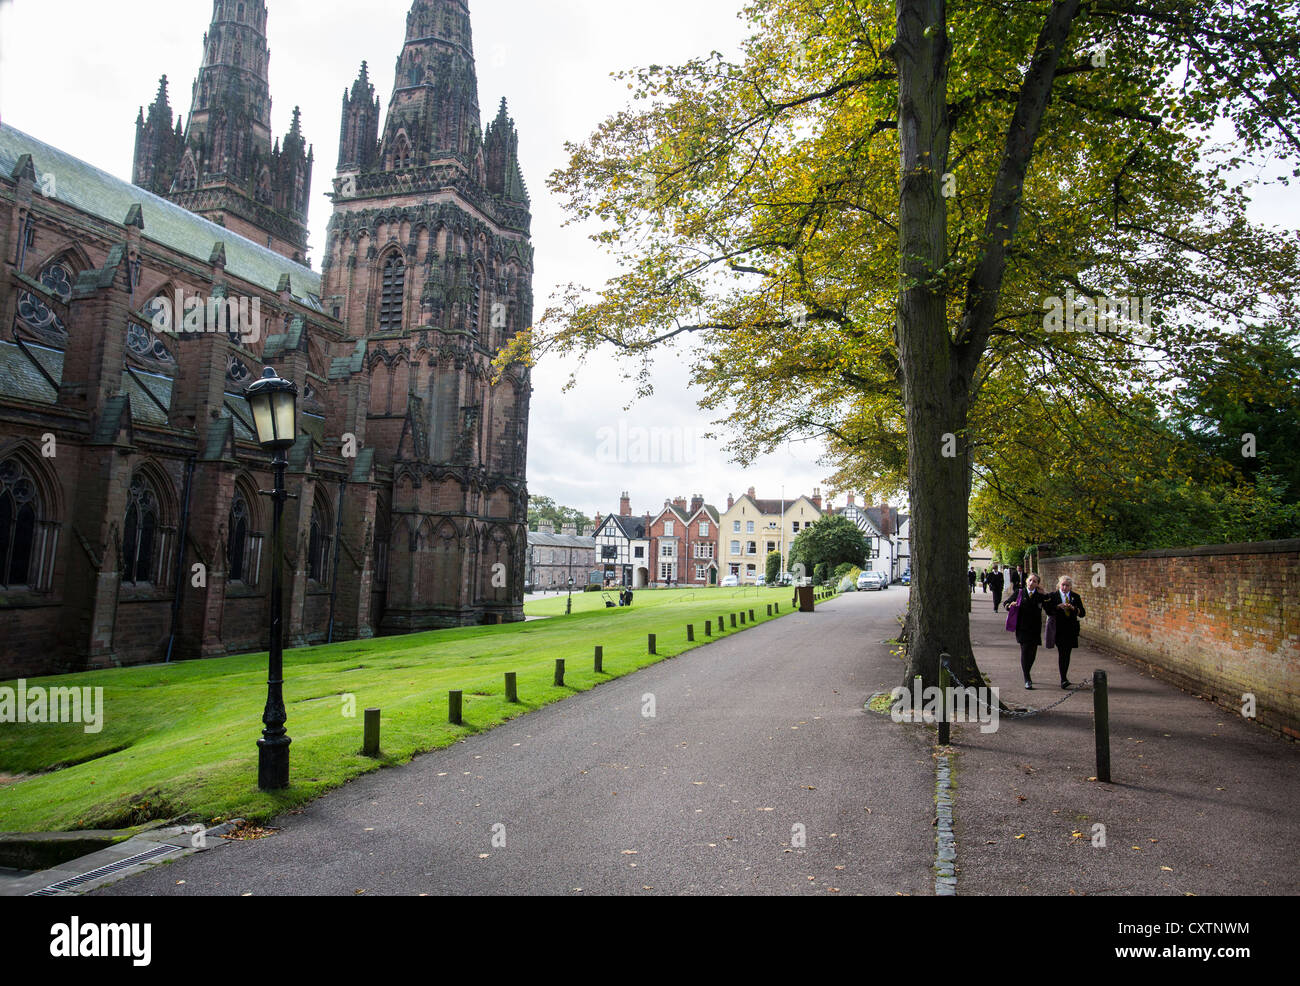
(1222, 620)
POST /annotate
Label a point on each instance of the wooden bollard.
(1101, 723)
(650, 644)
(600, 659)
(708, 628)
(777, 607)
(559, 672)
(769, 609)
(945, 726)
(733, 621)
(453, 708)
(512, 687)
(722, 623)
(370, 744)
(690, 631)
(742, 617)
(751, 617)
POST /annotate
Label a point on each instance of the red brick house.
(684, 543)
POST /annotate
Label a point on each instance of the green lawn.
(179, 740)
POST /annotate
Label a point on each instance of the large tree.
(832, 541)
(870, 219)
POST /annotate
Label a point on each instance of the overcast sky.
(74, 73)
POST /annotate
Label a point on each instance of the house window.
(666, 572)
(700, 573)
(735, 527)
(749, 527)
(704, 529)
(735, 569)
(751, 548)
(749, 571)
(703, 550)
(665, 551)
(668, 528)
(608, 552)
(735, 547)
(796, 527)
(638, 551)
(771, 546)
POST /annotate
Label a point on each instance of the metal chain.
(1022, 713)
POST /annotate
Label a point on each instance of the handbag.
(1051, 631)
(1012, 612)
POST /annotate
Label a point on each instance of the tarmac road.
(752, 737)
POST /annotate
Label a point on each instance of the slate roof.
(98, 193)
(21, 376)
(633, 528)
(774, 506)
(536, 538)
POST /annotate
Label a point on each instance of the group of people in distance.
(1029, 604)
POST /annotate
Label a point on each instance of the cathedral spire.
(503, 175)
(434, 113)
(225, 166)
(158, 147)
(359, 131)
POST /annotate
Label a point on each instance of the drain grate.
(76, 881)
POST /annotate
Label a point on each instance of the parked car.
(731, 581)
(762, 580)
(873, 580)
(907, 577)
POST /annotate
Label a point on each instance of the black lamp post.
(274, 405)
(568, 603)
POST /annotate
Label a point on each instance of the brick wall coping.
(1247, 548)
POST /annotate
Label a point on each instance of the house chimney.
(570, 529)
(817, 498)
(625, 505)
(648, 518)
(545, 527)
(850, 500)
(752, 494)
(679, 502)
(697, 502)
(597, 523)
(730, 502)
(886, 522)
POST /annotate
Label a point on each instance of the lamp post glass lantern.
(274, 403)
(568, 604)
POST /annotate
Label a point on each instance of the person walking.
(1017, 580)
(996, 584)
(970, 577)
(1066, 607)
(1028, 605)
(984, 580)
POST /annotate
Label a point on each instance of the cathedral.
(132, 529)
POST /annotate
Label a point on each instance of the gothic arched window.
(476, 303)
(19, 504)
(140, 532)
(237, 538)
(319, 543)
(392, 289)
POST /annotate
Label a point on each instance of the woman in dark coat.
(1067, 606)
(1028, 606)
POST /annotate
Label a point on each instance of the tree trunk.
(936, 391)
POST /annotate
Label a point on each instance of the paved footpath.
(1202, 800)
(752, 735)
